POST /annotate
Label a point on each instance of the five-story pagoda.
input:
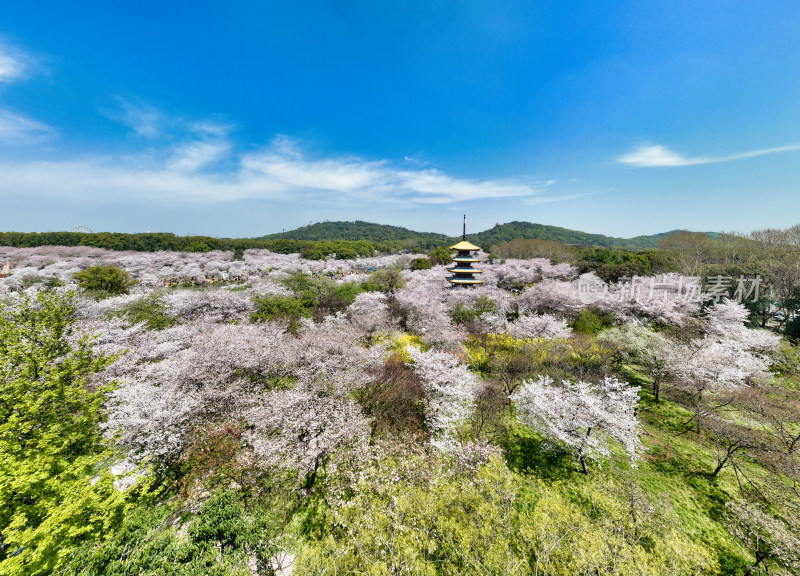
(463, 271)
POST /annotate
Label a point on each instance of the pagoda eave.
(464, 246)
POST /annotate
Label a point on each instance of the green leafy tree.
(312, 252)
(463, 314)
(323, 296)
(592, 321)
(420, 264)
(105, 279)
(229, 532)
(287, 308)
(150, 309)
(387, 280)
(793, 329)
(53, 489)
(439, 255)
(412, 517)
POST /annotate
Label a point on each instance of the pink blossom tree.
(450, 394)
(582, 416)
(544, 326)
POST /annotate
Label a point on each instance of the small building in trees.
(463, 272)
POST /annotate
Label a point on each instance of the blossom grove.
(283, 390)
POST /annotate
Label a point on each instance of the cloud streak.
(204, 166)
(656, 156)
(12, 64)
(17, 129)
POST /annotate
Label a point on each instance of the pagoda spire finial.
(464, 235)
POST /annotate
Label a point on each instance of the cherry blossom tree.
(551, 296)
(724, 358)
(664, 299)
(370, 312)
(582, 416)
(426, 310)
(775, 548)
(539, 326)
(654, 352)
(450, 394)
(303, 427)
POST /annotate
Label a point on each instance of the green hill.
(384, 233)
(358, 230)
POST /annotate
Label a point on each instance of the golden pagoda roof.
(464, 245)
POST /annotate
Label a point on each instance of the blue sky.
(246, 118)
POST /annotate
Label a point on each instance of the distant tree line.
(156, 241)
(351, 239)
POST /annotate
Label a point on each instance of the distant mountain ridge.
(360, 230)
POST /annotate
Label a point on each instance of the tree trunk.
(581, 458)
(698, 410)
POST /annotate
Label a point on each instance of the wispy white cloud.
(434, 187)
(12, 63)
(653, 156)
(209, 144)
(18, 129)
(147, 121)
(200, 162)
(195, 156)
(549, 199)
(284, 163)
(204, 166)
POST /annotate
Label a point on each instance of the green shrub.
(312, 253)
(105, 279)
(46, 282)
(387, 280)
(592, 321)
(323, 296)
(420, 264)
(440, 255)
(219, 539)
(793, 328)
(149, 309)
(463, 314)
(221, 522)
(287, 308)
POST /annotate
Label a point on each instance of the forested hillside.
(526, 230)
(500, 233)
(359, 230)
(357, 238)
